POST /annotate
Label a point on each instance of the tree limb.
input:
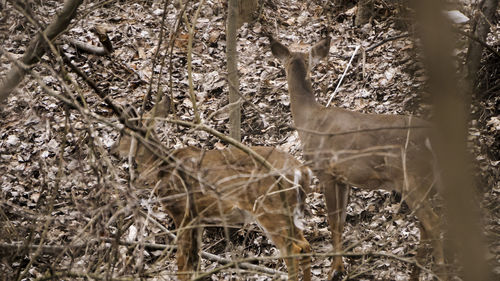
(36, 48)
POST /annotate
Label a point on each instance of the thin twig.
(173, 37)
(342, 77)
(386, 40)
(223, 137)
(191, 29)
(348, 132)
(475, 38)
(155, 58)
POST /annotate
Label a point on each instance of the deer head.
(306, 61)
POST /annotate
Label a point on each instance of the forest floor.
(60, 186)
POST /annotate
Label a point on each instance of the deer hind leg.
(291, 243)
(430, 231)
(336, 197)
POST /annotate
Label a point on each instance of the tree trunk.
(232, 70)
(451, 111)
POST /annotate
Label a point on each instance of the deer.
(345, 148)
(225, 186)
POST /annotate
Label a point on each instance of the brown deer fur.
(226, 185)
(370, 151)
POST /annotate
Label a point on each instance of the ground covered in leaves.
(61, 187)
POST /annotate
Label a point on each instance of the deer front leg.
(187, 251)
(305, 262)
(292, 248)
(336, 198)
(291, 243)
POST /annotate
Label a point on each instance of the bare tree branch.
(36, 47)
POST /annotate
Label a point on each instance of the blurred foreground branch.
(451, 111)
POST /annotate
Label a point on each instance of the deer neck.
(303, 104)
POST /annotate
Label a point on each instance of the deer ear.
(319, 51)
(279, 50)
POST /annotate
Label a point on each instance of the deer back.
(222, 180)
(218, 181)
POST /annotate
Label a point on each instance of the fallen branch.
(84, 275)
(212, 257)
(386, 40)
(478, 40)
(106, 49)
(57, 249)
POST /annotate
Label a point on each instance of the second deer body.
(370, 151)
(198, 186)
